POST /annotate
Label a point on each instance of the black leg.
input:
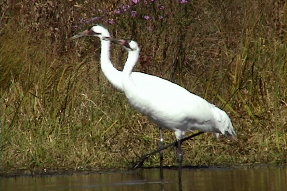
(179, 162)
(179, 154)
(161, 145)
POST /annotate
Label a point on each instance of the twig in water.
(143, 158)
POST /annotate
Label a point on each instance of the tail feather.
(223, 122)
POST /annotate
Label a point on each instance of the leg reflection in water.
(161, 178)
(176, 181)
(179, 174)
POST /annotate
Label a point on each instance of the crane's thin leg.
(179, 154)
(161, 144)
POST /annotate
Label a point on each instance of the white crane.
(170, 105)
(113, 75)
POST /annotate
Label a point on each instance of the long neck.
(131, 62)
(128, 83)
(112, 74)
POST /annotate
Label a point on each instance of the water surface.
(248, 179)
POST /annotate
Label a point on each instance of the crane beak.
(113, 40)
(80, 34)
(118, 41)
(124, 43)
(84, 33)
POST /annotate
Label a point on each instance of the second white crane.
(170, 105)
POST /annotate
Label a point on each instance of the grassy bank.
(57, 110)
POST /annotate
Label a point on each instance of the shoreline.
(69, 172)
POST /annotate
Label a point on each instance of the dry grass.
(57, 111)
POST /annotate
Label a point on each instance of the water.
(247, 179)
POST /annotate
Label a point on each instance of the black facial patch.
(126, 44)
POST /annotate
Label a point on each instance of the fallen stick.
(143, 158)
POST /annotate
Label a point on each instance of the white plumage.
(170, 105)
(167, 104)
(113, 75)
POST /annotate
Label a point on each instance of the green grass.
(57, 110)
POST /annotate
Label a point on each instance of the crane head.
(96, 30)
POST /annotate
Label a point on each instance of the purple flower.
(135, 1)
(133, 13)
(117, 11)
(125, 8)
(93, 19)
(146, 17)
(111, 21)
(89, 20)
(183, 1)
(161, 7)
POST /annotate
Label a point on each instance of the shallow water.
(259, 178)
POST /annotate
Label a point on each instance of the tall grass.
(57, 111)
